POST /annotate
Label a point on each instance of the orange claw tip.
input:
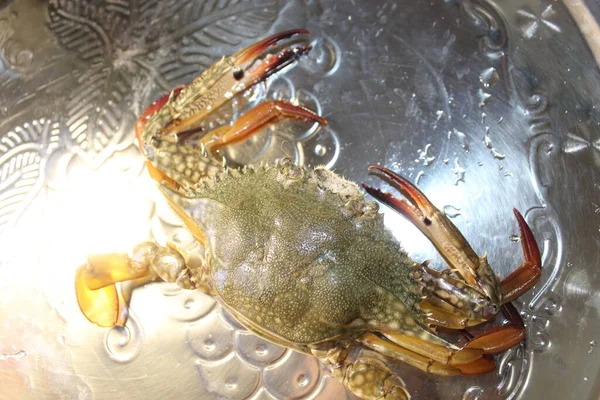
(530, 246)
(271, 65)
(254, 50)
(407, 188)
(321, 120)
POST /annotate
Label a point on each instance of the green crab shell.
(300, 254)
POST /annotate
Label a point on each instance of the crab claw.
(250, 70)
(254, 50)
(444, 235)
(149, 113)
(228, 77)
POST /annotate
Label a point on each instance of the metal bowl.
(485, 105)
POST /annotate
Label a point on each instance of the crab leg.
(454, 247)
(444, 235)
(450, 303)
(500, 338)
(364, 372)
(99, 299)
(105, 303)
(258, 71)
(439, 360)
(524, 277)
(248, 70)
(255, 120)
(166, 126)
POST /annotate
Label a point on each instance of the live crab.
(298, 255)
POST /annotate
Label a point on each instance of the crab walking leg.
(471, 362)
(105, 303)
(494, 340)
(523, 278)
(500, 338)
(437, 352)
(442, 233)
(255, 120)
(363, 372)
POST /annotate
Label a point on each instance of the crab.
(300, 256)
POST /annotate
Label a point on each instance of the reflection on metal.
(487, 105)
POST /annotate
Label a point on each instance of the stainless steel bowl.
(486, 105)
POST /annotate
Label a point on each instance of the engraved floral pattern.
(68, 101)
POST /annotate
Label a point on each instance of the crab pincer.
(474, 294)
(166, 129)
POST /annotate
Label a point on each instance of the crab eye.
(238, 74)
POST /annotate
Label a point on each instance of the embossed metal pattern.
(485, 105)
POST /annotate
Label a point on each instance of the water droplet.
(483, 115)
(61, 339)
(423, 156)
(593, 344)
(261, 350)
(302, 380)
(585, 378)
(497, 154)
(19, 355)
(484, 98)
(418, 177)
(459, 172)
(451, 211)
(500, 120)
(514, 238)
(463, 139)
(489, 77)
(569, 264)
(439, 114)
(487, 141)
(320, 150)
